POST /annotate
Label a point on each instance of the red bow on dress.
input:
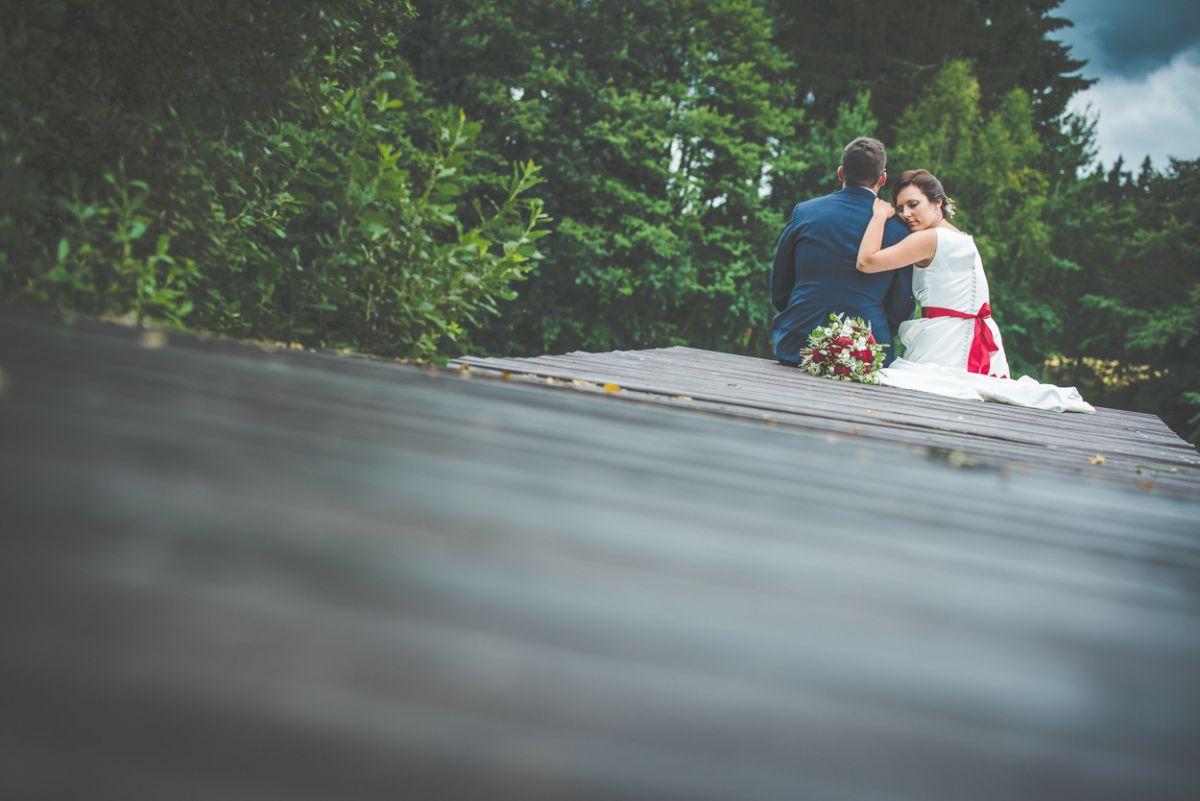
(979, 360)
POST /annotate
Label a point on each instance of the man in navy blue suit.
(814, 272)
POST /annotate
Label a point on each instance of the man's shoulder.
(815, 205)
(820, 200)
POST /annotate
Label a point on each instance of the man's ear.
(841, 175)
(881, 182)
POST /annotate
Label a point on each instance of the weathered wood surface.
(245, 574)
(1134, 448)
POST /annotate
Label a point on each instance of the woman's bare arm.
(874, 258)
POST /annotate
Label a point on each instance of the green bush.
(109, 260)
(299, 188)
(330, 227)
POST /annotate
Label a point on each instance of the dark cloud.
(1127, 37)
(1147, 57)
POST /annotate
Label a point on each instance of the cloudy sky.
(1147, 57)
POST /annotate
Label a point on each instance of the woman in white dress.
(955, 347)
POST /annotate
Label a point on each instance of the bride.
(955, 347)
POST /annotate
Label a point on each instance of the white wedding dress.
(955, 349)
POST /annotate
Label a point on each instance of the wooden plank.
(1134, 448)
(243, 573)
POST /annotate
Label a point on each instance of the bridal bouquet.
(845, 349)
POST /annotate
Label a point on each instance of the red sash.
(979, 360)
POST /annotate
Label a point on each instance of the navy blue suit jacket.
(814, 273)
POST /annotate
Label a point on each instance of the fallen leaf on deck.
(153, 340)
(464, 369)
(959, 459)
(552, 381)
(735, 386)
(581, 383)
(611, 388)
(1098, 459)
(506, 375)
(853, 430)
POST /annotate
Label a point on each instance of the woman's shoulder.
(955, 249)
(952, 240)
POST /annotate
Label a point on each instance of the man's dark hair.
(863, 161)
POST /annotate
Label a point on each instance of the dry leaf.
(1098, 459)
(683, 397)
(1146, 485)
(735, 386)
(581, 383)
(153, 340)
(552, 381)
(611, 388)
(464, 368)
(958, 459)
(853, 430)
(506, 375)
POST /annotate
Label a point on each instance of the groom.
(814, 272)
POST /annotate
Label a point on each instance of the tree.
(840, 48)
(655, 122)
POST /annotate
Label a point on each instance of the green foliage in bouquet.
(845, 350)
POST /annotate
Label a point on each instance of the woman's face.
(915, 210)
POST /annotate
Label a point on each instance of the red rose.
(845, 342)
(841, 369)
(817, 356)
(870, 338)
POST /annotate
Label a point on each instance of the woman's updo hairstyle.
(930, 186)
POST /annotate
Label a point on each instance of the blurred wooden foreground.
(242, 573)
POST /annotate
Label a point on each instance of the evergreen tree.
(840, 48)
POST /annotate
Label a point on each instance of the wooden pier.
(243, 572)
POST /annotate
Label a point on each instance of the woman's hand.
(883, 209)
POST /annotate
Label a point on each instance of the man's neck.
(870, 189)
